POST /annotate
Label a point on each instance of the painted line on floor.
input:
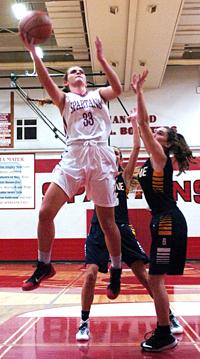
(116, 310)
(188, 334)
(65, 290)
(19, 337)
(16, 333)
(190, 328)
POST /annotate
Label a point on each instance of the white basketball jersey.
(86, 117)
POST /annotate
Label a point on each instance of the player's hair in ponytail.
(180, 149)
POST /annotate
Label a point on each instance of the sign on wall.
(7, 126)
(17, 181)
(122, 130)
(6, 130)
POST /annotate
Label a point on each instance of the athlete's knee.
(144, 281)
(108, 226)
(156, 281)
(46, 214)
(90, 277)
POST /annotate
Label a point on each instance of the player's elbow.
(118, 90)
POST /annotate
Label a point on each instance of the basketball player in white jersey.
(87, 162)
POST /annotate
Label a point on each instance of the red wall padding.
(73, 249)
(26, 249)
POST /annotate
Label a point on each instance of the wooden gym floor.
(42, 323)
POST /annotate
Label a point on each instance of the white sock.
(115, 261)
(44, 257)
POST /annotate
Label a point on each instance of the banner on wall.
(6, 130)
(17, 181)
(122, 131)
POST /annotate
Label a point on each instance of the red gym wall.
(68, 249)
(73, 249)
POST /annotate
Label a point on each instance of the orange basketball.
(37, 25)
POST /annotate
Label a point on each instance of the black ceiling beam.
(12, 75)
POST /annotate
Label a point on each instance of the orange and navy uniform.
(168, 225)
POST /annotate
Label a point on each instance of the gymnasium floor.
(42, 323)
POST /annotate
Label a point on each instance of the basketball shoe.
(83, 332)
(42, 272)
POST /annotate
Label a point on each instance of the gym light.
(19, 10)
(39, 52)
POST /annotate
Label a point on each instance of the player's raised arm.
(114, 89)
(50, 86)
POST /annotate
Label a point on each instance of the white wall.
(175, 103)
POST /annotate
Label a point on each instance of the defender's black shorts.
(96, 251)
(169, 243)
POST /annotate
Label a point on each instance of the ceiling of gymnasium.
(135, 33)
